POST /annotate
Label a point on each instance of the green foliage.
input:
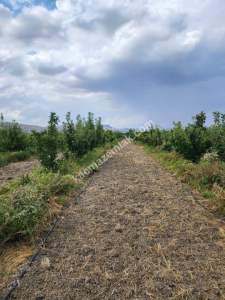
(48, 144)
(84, 135)
(208, 176)
(26, 203)
(90, 132)
(217, 134)
(113, 136)
(8, 157)
(52, 145)
(131, 133)
(80, 135)
(21, 212)
(196, 153)
(69, 133)
(15, 144)
(12, 138)
(99, 132)
(191, 141)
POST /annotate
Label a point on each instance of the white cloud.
(10, 114)
(66, 55)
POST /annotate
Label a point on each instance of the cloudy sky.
(126, 60)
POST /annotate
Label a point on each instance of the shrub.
(217, 134)
(12, 137)
(20, 215)
(84, 135)
(69, 134)
(191, 141)
(48, 144)
(8, 157)
(99, 135)
(24, 207)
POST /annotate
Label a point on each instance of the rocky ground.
(136, 233)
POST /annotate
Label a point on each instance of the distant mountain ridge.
(109, 127)
(29, 128)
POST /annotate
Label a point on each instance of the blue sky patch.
(17, 5)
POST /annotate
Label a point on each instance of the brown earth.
(11, 257)
(17, 169)
(136, 233)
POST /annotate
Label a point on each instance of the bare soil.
(11, 257)
(17, 169)
(136, 233)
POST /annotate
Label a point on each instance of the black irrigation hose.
(26, 268)
(15, 283)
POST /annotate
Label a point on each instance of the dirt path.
(135, 234)
(14, 170)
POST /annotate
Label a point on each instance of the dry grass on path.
(136, 233)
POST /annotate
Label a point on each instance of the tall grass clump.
(25, 204)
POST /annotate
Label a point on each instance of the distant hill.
(27, 128)
(108, 127)
(38, 128)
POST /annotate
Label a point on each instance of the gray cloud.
(4, 13)
(49, 69)
(34, 25)
(126, 60)
(109, 21)
(14, 66)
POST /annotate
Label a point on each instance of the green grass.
(26, 204)
(92, 156)
(207, 177)
(8, 157)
